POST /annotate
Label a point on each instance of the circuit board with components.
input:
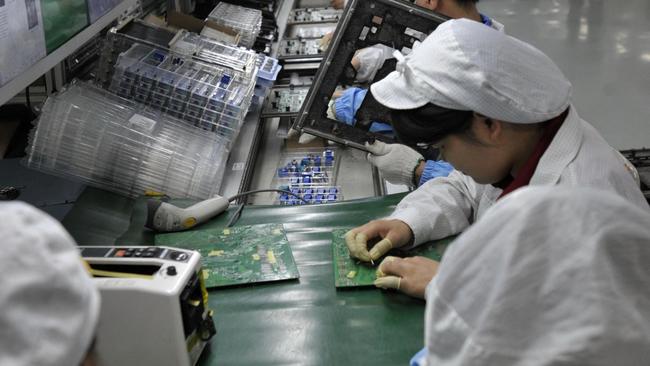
(238, 255)
(300, 47)
(283, 101)
(314, 15)
(350, 272)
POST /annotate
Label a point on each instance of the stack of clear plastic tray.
(88, 134)
(246, 21)
(212, 51)
(211, 97)
(267, 72)
(309, 174)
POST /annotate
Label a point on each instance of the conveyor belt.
(305, 322)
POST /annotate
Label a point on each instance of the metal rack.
(43, 66)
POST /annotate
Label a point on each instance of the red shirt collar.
(526, 172)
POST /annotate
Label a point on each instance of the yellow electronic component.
(351, 274)
(215, 253)
(189, 222)
(270, 257)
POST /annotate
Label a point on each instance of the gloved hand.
(409, 275)
(305, 138)
(394, 234)
(396, 162)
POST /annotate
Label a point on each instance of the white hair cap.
(549, 276)
(467, 66)
(49, 306)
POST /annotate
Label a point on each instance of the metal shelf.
(20, 82)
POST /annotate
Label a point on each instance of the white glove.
(396, 162)
(306, 138)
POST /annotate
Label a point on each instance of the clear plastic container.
(211, 97)
(310, 174)
(246, 21)
(88, 134)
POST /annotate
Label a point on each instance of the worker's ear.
(487, 130)
(429, 4)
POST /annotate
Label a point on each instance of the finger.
(380, 249)
(357, 245)
(292, 133)
(389, 282)
(372, 159)
(306, 138)
(378, 148)
(394, 266)
(380, 270)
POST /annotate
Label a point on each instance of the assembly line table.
(301, 322)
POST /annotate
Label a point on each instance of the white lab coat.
(532, 284)
(372, 58)
(577, 156)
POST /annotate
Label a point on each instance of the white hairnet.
(49, 306)
(549, 276)
(465, 65)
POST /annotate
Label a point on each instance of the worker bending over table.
(548, 276)
(500, 111)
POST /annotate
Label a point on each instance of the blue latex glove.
(347, 105)
(419, 359)
(433, 169)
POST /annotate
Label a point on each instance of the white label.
(238, 166)
(142, 122)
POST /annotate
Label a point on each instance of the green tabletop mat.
(238, 255)
(350, 272)
(304, 322)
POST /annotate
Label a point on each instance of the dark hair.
(429, 123)
(466, 2)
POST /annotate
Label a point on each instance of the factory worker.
(549, 276)
(501, 114)
(50, 307)
(369, 60)
(399, 164)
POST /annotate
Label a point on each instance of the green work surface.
(238, 255)
(350, 272)
(304, 322)
(62, 20)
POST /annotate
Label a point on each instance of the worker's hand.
(397, 163)
(324, 42)
(305, 138)
(337, 4)
(409, 275)
(393, 234)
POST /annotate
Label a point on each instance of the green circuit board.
(238, 255)
(350, 272)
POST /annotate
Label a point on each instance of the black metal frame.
(364, 23)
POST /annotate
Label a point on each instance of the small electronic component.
(239, 254)
(350, 272)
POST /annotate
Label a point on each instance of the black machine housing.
(394, 23)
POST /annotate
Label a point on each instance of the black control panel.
(135, 252)
(148, 252)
